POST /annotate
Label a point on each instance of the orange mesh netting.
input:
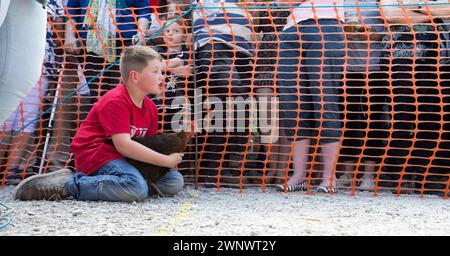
(356, 101)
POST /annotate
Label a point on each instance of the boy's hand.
(138, 38)
(175, 62)
(182, 71)
(174, 159)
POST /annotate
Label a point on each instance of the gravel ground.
(228, 212)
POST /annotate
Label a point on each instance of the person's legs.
(24, 125)
(429, 117)
(278, 145)
(22, 145)
(300, 161)
(219, 77)
(7, 129)
(378, 133)
(15, 33)
(355, 127)
(112, 78)
(322, 67)
(404, 106)
(290, 97)
(117, 180)
(333, 66)
(329, 153)
(30, 106)
(297, 97)
(65, 119)
(367, 179)
(437, 181)
(238, 142)
(3, 145)
(207, 162)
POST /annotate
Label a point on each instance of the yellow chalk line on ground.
(181, 215)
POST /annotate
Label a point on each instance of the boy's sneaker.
(49, 186)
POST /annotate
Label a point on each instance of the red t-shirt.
(114, 113)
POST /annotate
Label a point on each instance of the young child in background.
(178, 73)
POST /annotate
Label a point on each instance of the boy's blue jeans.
(118, 180)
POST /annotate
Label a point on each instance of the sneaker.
(367, 184)
(345, 180)
(49, 186)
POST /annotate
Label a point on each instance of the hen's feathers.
(165, 143)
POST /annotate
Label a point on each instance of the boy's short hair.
(136, 58)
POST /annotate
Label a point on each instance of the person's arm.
(143, 15)
(289, 2)
(168, 65)
(174, 62)
(182, 71)
(70, 44)
(139, 152)
(142, 30)
(114, 117)
(437, 11)
(404, 14)
(143, 24)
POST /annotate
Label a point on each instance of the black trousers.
(367, 117)
(100, 83)
(223, 73)
(416, 120)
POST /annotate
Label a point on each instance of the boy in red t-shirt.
(122, 113)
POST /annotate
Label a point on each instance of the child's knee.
(137, 191)
(172, 183)
(176, 187)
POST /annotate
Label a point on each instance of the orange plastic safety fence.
(317, 96)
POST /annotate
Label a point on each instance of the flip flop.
(327, 190)
(302, 186)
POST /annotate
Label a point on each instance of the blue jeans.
(118, 180)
